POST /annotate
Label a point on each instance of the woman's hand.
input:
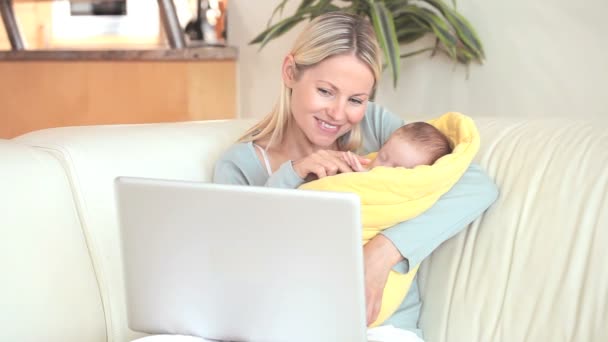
(379, 256)
(324, 163)
(354, 161)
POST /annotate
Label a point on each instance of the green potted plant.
(396, 22)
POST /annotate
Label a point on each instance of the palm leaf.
(306, 11)
(409, 29)
(395, 22)
(385, 32)
(277, 30)
(304, 4)
(431, 20)
(322, 7)
(409, 36)
(463, 28)
(279, 9)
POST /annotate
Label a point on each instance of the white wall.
(544, 58)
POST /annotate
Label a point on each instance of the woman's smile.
(327, 127)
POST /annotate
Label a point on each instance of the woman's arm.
(417, 238)
(240, 165)
(408, 243)
(227, 172)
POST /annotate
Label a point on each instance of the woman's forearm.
(468, 199)
(285, 177)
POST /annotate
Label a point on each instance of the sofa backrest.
(94, 156)
(48, 291)
(531, 268)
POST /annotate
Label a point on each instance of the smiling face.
(328, 98)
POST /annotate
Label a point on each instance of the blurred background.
(544, 58)
(100, 24)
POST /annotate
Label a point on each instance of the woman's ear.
(288, 71)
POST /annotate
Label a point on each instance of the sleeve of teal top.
(284, 177)
(234, 169)
(417, 238)
(227, 172)
(382, 123)
(469, 197)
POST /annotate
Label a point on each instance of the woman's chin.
(325, 143)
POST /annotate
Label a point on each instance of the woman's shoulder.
(238, 153)
(236, 165)
(379, 122)
(376, 114)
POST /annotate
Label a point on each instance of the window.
(103, 7)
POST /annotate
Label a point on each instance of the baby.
(417, 143)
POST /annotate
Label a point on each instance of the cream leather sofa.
(532, 268)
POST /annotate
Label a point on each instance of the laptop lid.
(241, 263)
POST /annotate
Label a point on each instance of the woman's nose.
(337, 112)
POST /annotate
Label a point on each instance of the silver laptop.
(241, 263)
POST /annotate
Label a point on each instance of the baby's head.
(417, 143)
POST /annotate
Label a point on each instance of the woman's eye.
(356, 101)
(323, 92)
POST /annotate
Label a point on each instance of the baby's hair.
(427, 137)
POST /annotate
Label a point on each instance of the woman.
(323, 111)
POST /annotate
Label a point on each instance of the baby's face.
(399, 152)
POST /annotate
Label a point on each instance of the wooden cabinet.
(38, 93)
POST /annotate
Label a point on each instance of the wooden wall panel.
(42, 94)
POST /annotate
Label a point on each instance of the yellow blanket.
(393, 195)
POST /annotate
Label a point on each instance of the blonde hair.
(330, 34)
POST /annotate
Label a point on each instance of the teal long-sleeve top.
(416, 238)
